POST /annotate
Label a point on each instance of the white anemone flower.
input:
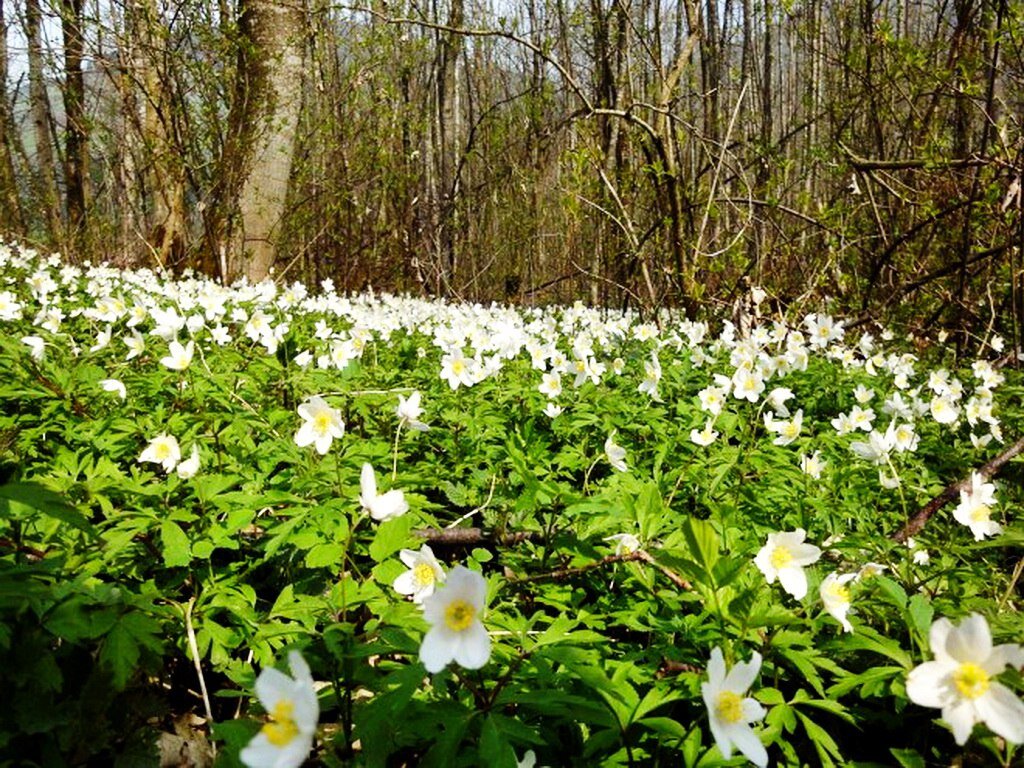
(163, 450)
(960, 680)
(456, 631)
(625, 543)
(114, 385)
(190, 466)
(835, 595)
(37, 347)
(551, 410)
(424, 574)
(730, 713)
(812, 465)
(409, 411)
(706, 436)
(321, 424)
(615, 454)
(385, 506)
(285, 741)
(975, 508)
(783, 557)
(179, 357)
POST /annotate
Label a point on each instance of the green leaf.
(495, 749)
(920, 613)
(702, 542)
(46, 501)
(908, 758)
(120, 654)
(390, 537)
(324, 555)
(177, 551)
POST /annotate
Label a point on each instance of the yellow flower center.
(282, 729)
(459, 615)
(781, 557)
(322, 422)
(729, 707)
(423, 574)
(458, 367)
(971, 680)
(838, 592)
(162, 451)
(980, 513)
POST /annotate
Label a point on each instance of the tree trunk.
(10, 203)
(258, 152)
(42, 123)
(76, 129)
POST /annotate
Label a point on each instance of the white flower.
(787, 431)
(747, 385)
(870, 570)
(784, 556)
(943, 410)
(711, 399)
(705, 436)
(285, 741)
(163, 450)
(616, 454)
(320, 425)
(409, 411)
(37, 347)
(877, 447)
(625, 543)
(179, 357)
(812, 465)
(456, 369)
(550, 385)
(136, 345)
(113, 385)
(423, 575)
(959, 680)
(975, 508)
(529, 760)
(456, 632)
(381, 507)
(190, 466)
(836, 597)
(551, 410)
(729, 712)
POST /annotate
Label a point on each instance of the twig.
(918, 521)
(194, 647)
(482, 507)
(461, 537)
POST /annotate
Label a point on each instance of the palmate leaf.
(44, 500)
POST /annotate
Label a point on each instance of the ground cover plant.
(271, 524)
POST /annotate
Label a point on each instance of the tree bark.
(257, 158)
(76, 129)
(42, 123)
(10, 202)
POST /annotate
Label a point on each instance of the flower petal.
(474, 647)
(749, 744)
(961, 718)
(742, 676)
(1002, 712)
(971, 641)
(927, 684)
(437, 649)
(794, 581)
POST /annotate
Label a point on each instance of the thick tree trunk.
(76, 130)
(42, 123)
(10, 203)
(262, 124)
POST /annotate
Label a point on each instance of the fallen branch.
(918, 521)
(462, 537)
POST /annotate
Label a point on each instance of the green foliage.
(607, 589)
